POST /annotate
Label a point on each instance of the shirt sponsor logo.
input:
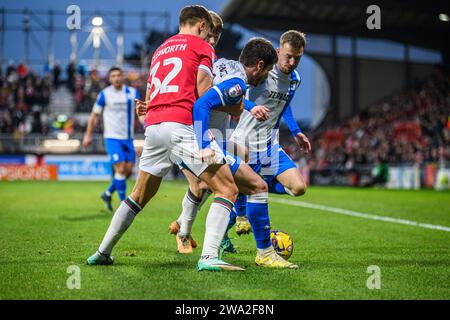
(278, 95)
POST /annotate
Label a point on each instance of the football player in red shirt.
(180, 72)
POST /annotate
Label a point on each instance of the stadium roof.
(414, 22)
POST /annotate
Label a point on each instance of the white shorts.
(170, 143)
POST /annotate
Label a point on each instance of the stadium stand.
(409, 129)
(33, 104)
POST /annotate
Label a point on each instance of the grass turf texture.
(47, 226)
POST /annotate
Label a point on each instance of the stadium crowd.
(25, 98)
(411, 127)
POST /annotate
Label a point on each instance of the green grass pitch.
(45, 227)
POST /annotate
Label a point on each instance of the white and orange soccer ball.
(282, 243)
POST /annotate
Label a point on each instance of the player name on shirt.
(173, 78)
(172, 48)
(281, 96)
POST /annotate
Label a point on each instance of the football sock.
(240, 205)
(232, 220)
(258, 216)
(266, 251)
(122, 219)
(111, 188)
(121, 185)
(190, 209)
(276, 187)
(205, 197)
(216, 225)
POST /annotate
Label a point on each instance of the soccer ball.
(282, 243)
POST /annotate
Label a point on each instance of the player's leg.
(124, 167)
(291, 182)
(220, 181)
(288, 178)
(154, 165)
(249, 183)
(106, 195)
(194, 198)
(226, 245)
(111, 188)
(129, 169)
(114, 149)
(120, 177)
(144, 189)
(258, 215)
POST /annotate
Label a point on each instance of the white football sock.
(216, 226)
(266, 251)
(187, 217)
(289, 192)
(188, 208)
(122, 219)
(205, 197)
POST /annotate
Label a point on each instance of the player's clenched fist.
(207, 155)
(87, 140)
(260, 113)
(141, 107)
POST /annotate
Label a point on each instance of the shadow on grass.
(101, 216)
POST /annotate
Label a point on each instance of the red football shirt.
(173, 77)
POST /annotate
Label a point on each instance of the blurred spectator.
(24, 98)
(56, 75)
(70, 70)
(412, 127)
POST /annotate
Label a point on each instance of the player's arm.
(201, 114)
(232, 93)
(292, 124)
(299, 137)
(260, 113)
(204, 82)
(203, 86)
(92, 122)
(141, 106)
(137, 97)
(223, 95)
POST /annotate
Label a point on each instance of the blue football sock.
(111, 188)
(276, 187)
(258, 216)
(121, 186)
(241, 205)
(232, 220)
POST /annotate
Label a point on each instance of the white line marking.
(359, 214)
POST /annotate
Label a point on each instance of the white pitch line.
(359, 214)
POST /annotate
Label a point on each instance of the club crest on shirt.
(235, 91)
(294, 85)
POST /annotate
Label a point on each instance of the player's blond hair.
(217, 22)
(295, 38)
